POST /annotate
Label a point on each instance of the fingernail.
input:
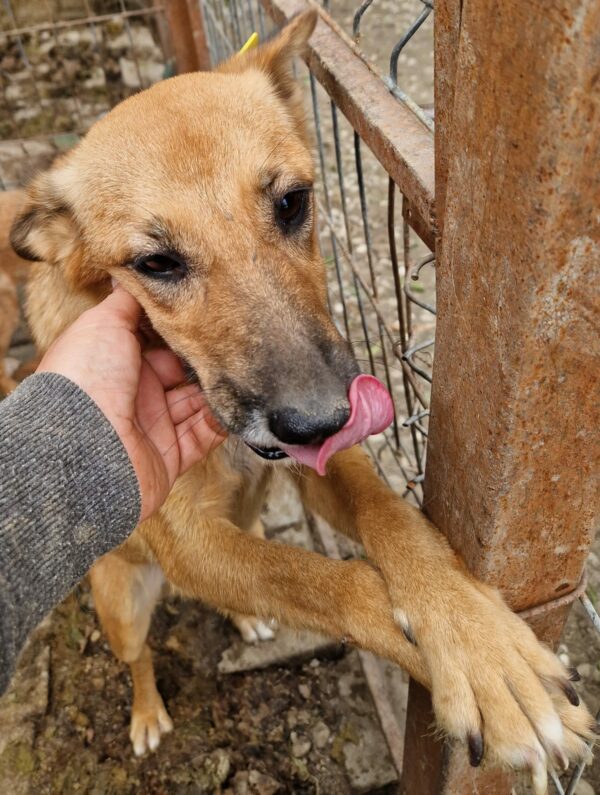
(574, 675)
(570, 692)
(475, 742)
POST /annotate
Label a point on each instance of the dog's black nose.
(295, 427)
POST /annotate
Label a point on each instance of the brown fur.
(13, 270)
(189, 165)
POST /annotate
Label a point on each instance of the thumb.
(122, 305)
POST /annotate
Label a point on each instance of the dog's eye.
(160, 266)
(290, 210)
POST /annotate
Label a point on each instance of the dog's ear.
(276, 57)
(45, 229)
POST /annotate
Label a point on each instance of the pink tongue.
(371, 412)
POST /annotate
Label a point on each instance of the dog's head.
(196, 195)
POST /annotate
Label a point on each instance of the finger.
(122, 304)
(184, 402)
(196, 439)
(167, 367)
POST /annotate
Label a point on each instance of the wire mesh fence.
(65, 63)
(381, 276)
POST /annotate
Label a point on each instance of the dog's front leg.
(234, 571)
(490, 676)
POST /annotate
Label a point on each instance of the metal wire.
(60, 74)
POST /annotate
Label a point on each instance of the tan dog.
(12, 270)
(196, 196)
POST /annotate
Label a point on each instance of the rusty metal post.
(188, 42)
(514, 453)
(199, 35)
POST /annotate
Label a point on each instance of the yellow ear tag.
(250, 44)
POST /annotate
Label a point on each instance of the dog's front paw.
(493, 684)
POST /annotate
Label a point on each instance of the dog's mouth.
(269, 453)
(371, 411)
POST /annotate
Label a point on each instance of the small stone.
(129, 73)
(584, 788)
(98, 682)
(584, 670)
(172, 643)
(320, 735)
(304, 691)
(288, 646)
(262, 784)
(95, 636)
(82, 720)
(301, 745)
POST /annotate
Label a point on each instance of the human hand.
(165, 428)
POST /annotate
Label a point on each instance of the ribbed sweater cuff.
(68, 494)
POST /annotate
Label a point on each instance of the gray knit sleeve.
(68, 494)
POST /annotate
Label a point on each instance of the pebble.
(584, 788)
(95, 636)
(262, 783)
(301, 745)
(585, 670)
(304, 691)
(320, 735)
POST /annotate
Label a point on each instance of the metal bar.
(446, 31)
(72, 23)
(327, 208)
(519, 264)
(203, 60)
(181, 27)
(399, 140)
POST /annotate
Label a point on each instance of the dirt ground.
(306, 723)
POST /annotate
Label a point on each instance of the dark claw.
(475, 749)
(570, 692)
(574, 675)
(408, 634)
(596, 727)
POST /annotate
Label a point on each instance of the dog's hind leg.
(251, 628)
(124, 596)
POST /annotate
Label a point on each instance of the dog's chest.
(253, 480)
